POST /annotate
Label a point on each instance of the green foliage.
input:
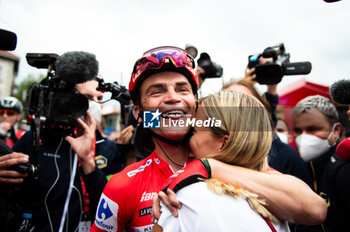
(20, 92)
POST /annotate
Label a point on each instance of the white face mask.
(96, 112)
(283, 137)
(311, 147)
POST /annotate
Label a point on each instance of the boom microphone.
(77, 67)
(340, 92)
(343, 150)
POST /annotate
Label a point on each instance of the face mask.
(311, 147)
(95, 111)
(283, 137)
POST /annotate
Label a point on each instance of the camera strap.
(86, 199)
(84, 225)
(65, 209)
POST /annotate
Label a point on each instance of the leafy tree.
(20, 92)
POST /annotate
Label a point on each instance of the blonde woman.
(243, 139)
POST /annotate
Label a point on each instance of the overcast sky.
(119, 31)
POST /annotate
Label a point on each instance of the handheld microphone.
(340, 92)
(343, 150)
(77, 67)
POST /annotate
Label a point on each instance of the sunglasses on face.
(7, 112)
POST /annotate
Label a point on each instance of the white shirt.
(203, 210)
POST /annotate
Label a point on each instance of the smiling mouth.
(173, 114)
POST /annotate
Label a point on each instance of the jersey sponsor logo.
(145, 211)
(104, 212)
(106, 215)
(147, 228)
(147, 196)
(101, 161)
(140, 169)
(157, 161)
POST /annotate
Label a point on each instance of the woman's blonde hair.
(245, 120)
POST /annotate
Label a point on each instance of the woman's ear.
(224, 140)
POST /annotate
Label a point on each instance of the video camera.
(211, 69)
(272, 73)
(53, 104)
(54, 101)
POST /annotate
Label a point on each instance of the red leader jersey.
(126, 201)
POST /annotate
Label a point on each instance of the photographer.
(71, 169)
(271, 91)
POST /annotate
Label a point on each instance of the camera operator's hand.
(249, 76)
(10, 176)
(83, 142)
(272, 89)
(126, 135)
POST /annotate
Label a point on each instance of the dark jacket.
(287, 160)
(337, 192)
(45, 196)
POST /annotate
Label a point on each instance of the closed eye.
(183, 90)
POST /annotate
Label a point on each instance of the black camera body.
(211, 69)
(119, 92)
(272, 72)
(29, 168)
(54, 100)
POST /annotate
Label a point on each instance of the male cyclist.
(10, 113)
(164, 81)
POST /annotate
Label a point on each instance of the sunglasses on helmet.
(157, 57)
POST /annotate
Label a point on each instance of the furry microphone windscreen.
(77, 67)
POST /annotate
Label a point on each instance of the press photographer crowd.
(259, 168)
